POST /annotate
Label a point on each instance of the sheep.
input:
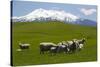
(70, 42)
(72, 46)
(63, 47)
(58, 49)
(24, 46)
(82, 41)
(47, 43)
(46, 46)
(79, 43)
(53, 50)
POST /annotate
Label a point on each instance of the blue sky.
(21, 8)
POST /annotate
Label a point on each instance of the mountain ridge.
(53, 15)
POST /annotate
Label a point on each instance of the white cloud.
(87, 11)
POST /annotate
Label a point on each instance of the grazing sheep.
(79, 43)
(72, 46)
(47, 43)
(70, 42)
(63, 47)
(45, 47)
(53, 50)
(82, 41)
(58, 49)
(24, 46)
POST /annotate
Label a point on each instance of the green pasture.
(52, 31)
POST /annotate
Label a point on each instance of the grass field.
(37, 32)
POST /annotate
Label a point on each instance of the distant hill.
(86, 22)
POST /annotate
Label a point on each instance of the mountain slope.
(42, 14)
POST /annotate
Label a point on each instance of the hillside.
(37, 32)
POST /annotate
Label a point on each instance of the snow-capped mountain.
(42, 14)
(53, 15)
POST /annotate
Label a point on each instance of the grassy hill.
(37, 32)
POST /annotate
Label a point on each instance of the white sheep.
(24, 46)
(47, 43)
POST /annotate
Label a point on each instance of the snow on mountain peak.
(60, 15)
